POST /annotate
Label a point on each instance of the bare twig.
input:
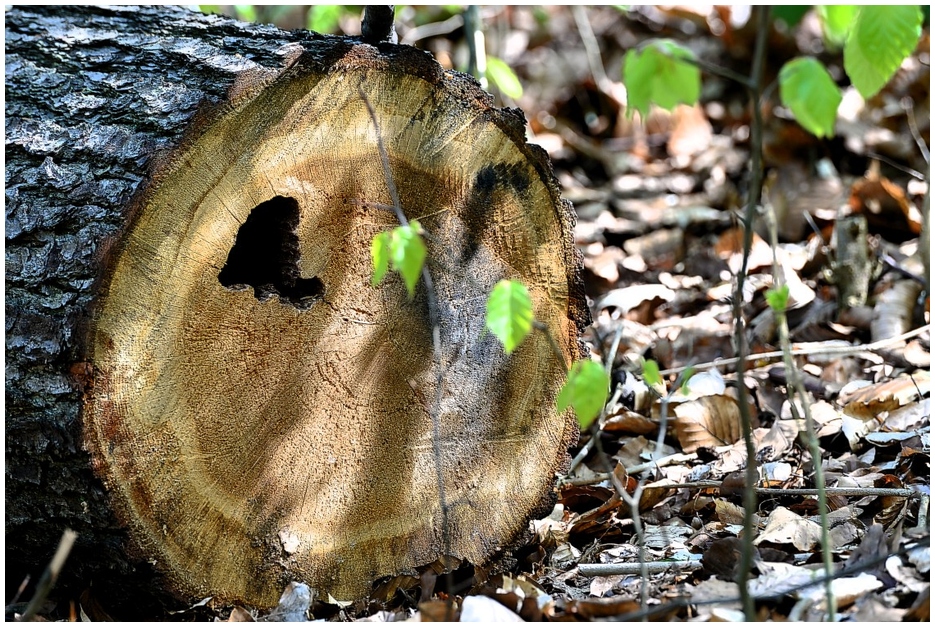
(797, 388)
(816, 350)
(707, 485)
(635, 568)
(856, 569)
(914, 128)
(50, 575)
(433, 29)
(434, 320)
(754, 86)
(592, 50)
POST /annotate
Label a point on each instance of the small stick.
(635, 568)
(50, 575)
(828, 351)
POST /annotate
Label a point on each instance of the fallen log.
(190, 204)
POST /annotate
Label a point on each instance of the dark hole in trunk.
(265, 256)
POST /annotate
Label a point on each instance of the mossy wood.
(258, 411)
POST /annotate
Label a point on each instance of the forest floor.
(659, 204)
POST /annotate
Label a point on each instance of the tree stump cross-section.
(260, 413)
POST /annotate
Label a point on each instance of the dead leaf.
(590, 609)
(710, 421)
(481, 609)
(630, 422)
(240, 615)
(894, 309)
(442, 611)
(786, 527)
(728, 513)
(886, 207)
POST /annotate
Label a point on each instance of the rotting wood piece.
(258, 411)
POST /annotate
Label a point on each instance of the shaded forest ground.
(659, 204)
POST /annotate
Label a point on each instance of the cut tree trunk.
(254, 411)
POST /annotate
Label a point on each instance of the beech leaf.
(585, 391)
(509, 313)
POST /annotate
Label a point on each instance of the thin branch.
(50, 575)
(762, 17)
(914, 128)
(592, 49)
(635, 568)
(434, 320)
(861, 567)
(709, 485)
(818, 351)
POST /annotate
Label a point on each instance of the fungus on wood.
(257, 411)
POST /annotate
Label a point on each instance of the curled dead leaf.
(709, 421)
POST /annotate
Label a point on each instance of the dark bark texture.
(92, 96)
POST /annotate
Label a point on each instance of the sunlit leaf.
(686, 378)
(503, 76)
(380, 256)
(657, 74)
(778, 299)
(407, 254)
(245, 12)
(880, 39)
(585, 391)
(324, 18)
(509, 313)
(651, 372)
(810, 93)
(836, 21)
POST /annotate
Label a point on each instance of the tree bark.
(190, 202)
(92, 95)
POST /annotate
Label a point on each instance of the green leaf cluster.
(876, 39)
(401, 250)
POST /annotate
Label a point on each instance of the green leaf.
(880, 39)
(808, 90)
(324, 18)
(686, 377)
(585, 391)
(407, 254)
(658, 75)
(380, 255)
(509, 313)
(836, 22)
(651, 374)
(778, 299)
(504, 78)
(245, 12)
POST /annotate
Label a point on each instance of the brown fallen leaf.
(240, 615)
(709, 421)
(786, 527)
